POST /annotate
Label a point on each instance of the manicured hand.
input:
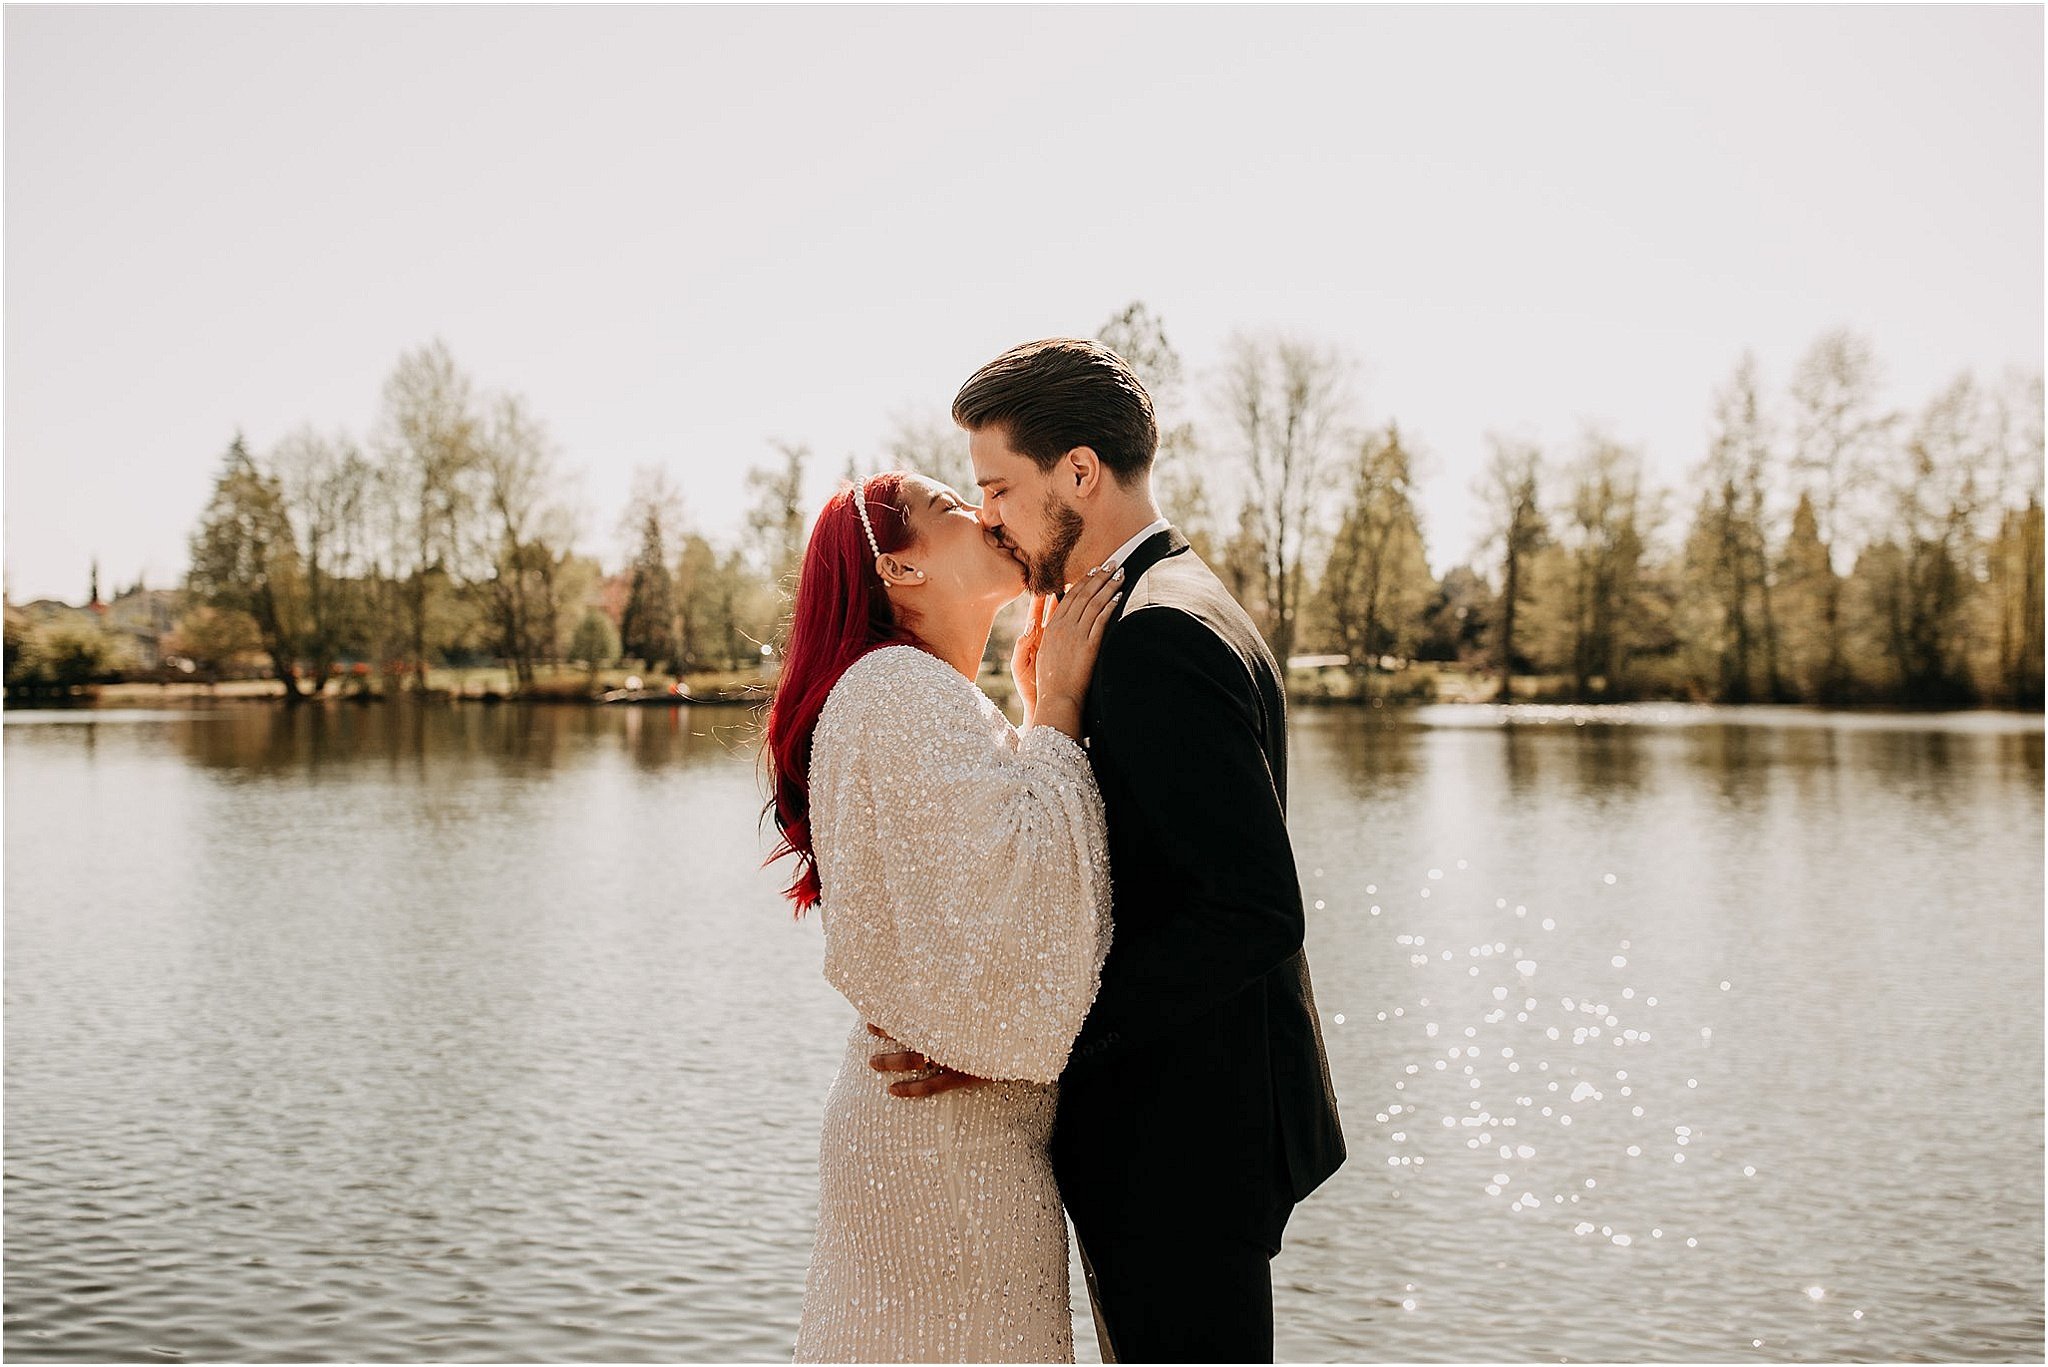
(1024, 659)
(1068, 645)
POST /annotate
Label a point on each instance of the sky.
(684, 234)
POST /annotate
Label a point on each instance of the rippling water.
(476, 1034)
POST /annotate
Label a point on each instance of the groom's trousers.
(1193, 1298)
(1173, 1173)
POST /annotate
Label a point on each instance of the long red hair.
(842, 612)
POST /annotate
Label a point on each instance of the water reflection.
(477, 1033)
(315, 742)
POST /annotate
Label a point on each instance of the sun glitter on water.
(1498, 1070)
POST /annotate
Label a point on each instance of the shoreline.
(719, 694)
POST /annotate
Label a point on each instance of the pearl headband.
(860, 505)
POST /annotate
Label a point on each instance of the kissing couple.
(1075, 948)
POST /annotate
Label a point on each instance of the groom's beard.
(1048, 570)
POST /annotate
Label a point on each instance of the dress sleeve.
(976, 900)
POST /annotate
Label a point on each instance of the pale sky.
(684, 232)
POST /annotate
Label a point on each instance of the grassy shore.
(1423, 683)
(565, 684)
(1414, 685)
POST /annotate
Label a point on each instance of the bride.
(960, 869)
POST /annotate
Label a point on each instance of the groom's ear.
(1082, 470)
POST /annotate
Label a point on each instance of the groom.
(1196, 1108)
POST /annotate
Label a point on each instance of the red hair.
(842, 612)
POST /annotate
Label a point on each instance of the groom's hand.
(939, 1079)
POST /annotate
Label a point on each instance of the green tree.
(647, 630)
(2009, 653)
(595, 642)
(213, 638)
(1457, 619)
(704, 603)
(66, 652)
(2014, 590)
(1510, 491)
(245, 559)
(776, 524)
(1285, 402)
(1243, 568)
(1807, 583)
(1376, 582)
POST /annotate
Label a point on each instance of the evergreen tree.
(647, 631)
(1509, 489)
(244, 559)
(1807, 583)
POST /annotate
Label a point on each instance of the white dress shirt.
(1123, 552)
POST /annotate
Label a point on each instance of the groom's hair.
(1053, 395)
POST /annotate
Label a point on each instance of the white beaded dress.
(965, 880)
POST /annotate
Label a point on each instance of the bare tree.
(1920, 577)
(1728, 555)
(1838, 431)
(1181, 479)
(933, 446)
(775, 517)
(428, 438)
(516, 513)
(1605, 536)
(326, 486)
(1284, 403)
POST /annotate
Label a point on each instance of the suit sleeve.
(1179, 737)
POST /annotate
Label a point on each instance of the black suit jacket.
(1198, 1091)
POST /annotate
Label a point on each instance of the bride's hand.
(1024, 658)
(1068, 645)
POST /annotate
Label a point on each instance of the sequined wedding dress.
(966, 912)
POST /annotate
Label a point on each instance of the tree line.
(450, 538)
(1825, 547)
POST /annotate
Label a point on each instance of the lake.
(470, 1033)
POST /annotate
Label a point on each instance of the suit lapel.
(1150, 551)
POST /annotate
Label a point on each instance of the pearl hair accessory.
(860, 505)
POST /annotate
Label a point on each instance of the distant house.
(40, 611)
(143, 617)
(140, 618)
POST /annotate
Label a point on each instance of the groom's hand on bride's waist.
(937, 1076)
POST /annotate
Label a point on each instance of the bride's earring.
(888, 565)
